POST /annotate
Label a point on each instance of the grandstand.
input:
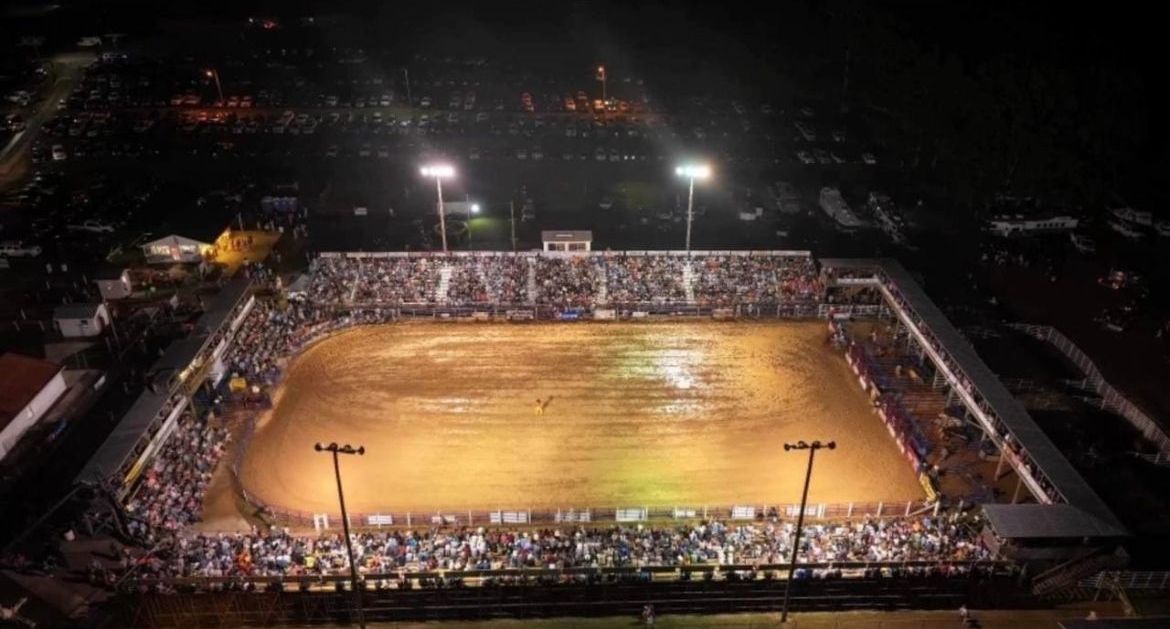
(925, 385)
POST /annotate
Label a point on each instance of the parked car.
(17, 249)
(92, 226)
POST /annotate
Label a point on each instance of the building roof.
(1039, 521)
(179, 354)
(77, 311)
(567, 235)
(1095, 515)
(109, 273)
(180, 239)
(117, 447)
(24, 377)
(222, 305)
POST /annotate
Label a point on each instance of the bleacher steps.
(444, 284)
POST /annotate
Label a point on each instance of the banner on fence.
(380, 520)
(631, 515)
(573, 515)
(743, 513)
(509, 517)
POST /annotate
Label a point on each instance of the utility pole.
(214, 74)
(409, 100)
(335, 449)
(812, 450)
(512, 216)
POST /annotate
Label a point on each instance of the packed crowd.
(645, 279)
(728, 280)
(279, 553)
(389, 281)
(170, 494)
(263, 338)
(496, 280)
(568, 282)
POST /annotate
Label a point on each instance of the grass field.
(636, 414)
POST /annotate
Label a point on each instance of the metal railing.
(1128, 580)
(521, 516)
(696, 573)
(1110, 398)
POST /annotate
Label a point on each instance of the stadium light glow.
(439, 171)
(694, 171)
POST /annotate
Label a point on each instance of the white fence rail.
(1110, 398)
(1129, 580)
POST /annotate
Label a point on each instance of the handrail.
(968, 400)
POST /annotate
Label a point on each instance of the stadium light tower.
(692, 172)
(812, 451)
(440, 172)
(471, 209)
(353, 573)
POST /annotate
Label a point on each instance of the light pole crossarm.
(335, 449)
(812, 451)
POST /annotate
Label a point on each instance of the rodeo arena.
(558, 433)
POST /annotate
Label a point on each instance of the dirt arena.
(658, 414)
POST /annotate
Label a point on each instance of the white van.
(14, 249)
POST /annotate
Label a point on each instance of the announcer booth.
(568, 240)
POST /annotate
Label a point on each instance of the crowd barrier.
(695, 572)
(614, 311)
(521, 516)
(363, 315)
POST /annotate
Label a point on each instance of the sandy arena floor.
(660, 414)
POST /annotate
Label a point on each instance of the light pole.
(335, 449)
(512, 217)
(692, 172)
(212, 73)
(440, 172)
(471, 209)
(812, 450)
(601, 76)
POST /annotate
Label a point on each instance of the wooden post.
(1019, 483)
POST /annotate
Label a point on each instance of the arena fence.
(1110, 398)
(516, 516)
(525, 515)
